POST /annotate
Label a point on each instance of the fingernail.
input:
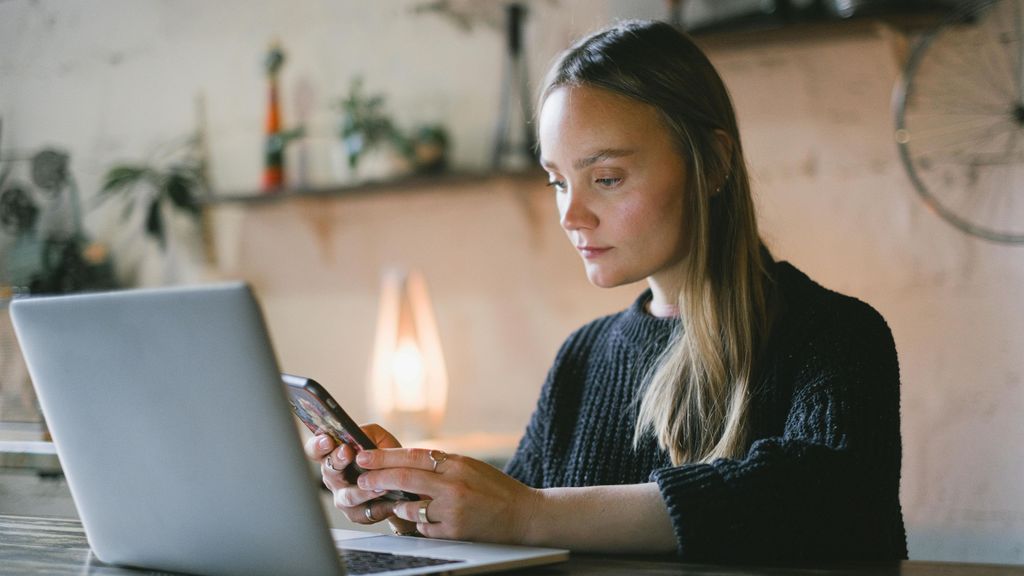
(324, 443)
(363, 482)
(363, 458)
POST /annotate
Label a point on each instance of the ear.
(724, 148)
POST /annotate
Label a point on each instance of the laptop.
(173, 429)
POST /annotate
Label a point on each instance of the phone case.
(315, 407)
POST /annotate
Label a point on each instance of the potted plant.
(157, 194)
(366, 129)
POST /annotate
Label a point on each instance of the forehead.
(579, 117)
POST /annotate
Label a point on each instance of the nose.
(575, 211)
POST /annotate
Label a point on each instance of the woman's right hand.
(353, 501)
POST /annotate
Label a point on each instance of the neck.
(664, 303)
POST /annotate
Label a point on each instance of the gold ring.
(421, 513)
(368, 513)
(437, 457)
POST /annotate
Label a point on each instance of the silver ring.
(437, 457)
(368, 512)
(330, 465)
(421, 513)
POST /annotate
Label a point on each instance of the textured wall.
(110, 80)
(834, 200)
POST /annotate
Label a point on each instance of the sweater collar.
(639, 327)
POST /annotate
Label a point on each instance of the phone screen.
(321, 413)
(315, 407)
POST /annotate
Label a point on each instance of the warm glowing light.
(409, 378)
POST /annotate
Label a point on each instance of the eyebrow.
(600, 155)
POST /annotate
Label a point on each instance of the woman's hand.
(463, 498)
(358, 505)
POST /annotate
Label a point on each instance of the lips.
(590, 252)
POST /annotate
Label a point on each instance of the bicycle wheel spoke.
(953, 127)
(969, 67)
(963, 96)
(993, 54)
(995, 130)
(1015, 58)
(965, 114)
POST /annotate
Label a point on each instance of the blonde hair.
(696, 396)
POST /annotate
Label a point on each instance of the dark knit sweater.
(820, 480)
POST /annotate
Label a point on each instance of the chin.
(603, 280)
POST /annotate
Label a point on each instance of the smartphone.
(321, 413)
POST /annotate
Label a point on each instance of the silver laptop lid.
(172, 427)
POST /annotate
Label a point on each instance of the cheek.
(644, 218)
(635, 221)
(659, 224)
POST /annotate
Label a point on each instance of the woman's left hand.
(463, 498)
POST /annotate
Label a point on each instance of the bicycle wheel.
(960, 120)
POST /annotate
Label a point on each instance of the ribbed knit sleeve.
(527, 464)
(827, 486)
(540, 447)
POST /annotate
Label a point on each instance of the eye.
(558, 185)
(607, 182)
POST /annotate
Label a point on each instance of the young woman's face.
(619, 183)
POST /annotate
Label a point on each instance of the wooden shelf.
(455, 179)
(767, 31)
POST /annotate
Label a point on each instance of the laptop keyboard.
(363, 562)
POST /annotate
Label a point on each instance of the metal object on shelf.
(709, 16)
(510, 151)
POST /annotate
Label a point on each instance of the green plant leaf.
(127, 208)
(121, 180)
(120, 177)
(180, 186)
(155, 223)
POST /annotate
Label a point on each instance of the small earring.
(722, 185)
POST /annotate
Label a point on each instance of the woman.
(736, 411)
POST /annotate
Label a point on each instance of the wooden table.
(53, 546)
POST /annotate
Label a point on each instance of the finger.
(376, 510)
(381, 437)
(335, 468)
(349, 497)
(318, 446)
(402, 527)
(433, 531)
(419, 458)
(337, 461)
(347, 453)
(368, 513)
(410, 511)
(405, 479)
